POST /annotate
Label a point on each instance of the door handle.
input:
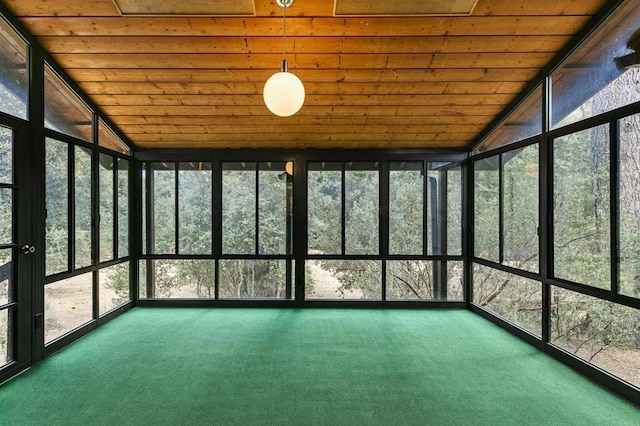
(27, 249)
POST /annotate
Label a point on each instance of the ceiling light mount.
(284, 92)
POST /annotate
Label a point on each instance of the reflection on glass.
(123, 208)
(581, 207)
(630, 206)
(163, 239)
(6, 215)
(242, 279)
(194, 208)
(520, 208)
(361, 224)
(525, 121)
(239, 208)
(487, 208)
(5, 337)
(114, 287)
(324, 194)
(108, 139)
(592, 81)
(14, 78)
(514, 298)
(343, 279)
(107, 165)
(82, 183)
(406, 207)
(273, 192)
(602, 333)
(68, 304)
(454, 211)
(6, 276)
(6, 155)
(63, 109)
(57, 204)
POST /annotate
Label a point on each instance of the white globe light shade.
(283, 94)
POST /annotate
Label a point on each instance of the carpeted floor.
(166, 366)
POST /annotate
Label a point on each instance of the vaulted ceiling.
(389, 77)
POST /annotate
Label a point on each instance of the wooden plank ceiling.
(371, 82)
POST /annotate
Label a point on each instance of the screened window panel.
(63, 109)
(68, 305)
(239, 208)
(113, 287)
(274, 206)
(324, 192)
(5, 337)
(343, 279)
(194, 208)
(252, 279)
(107, 219)
(361, 209)
(123, 207)
(410, 280)
(520, 208)
(6, 215)
(57, 206)
(454, 211)
(512, 297)
(183, 279)
(629, 182)
(6, 276)
(83, 207)
(487, 208)
(581, 238)
(406, 207)
(14, 75)
(164, 208)
(6, 156)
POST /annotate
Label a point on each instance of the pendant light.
(283, 92)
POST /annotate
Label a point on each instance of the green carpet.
(166, 366)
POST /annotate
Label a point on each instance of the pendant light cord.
(284, 38)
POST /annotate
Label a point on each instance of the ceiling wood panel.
(371, 82)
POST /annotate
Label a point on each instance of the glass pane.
(514, 298)
(68, 304)
(183, 279)
(6, 215)
(274, 207)
(454, 211)
(600, 332)
(108, 139)
(240, 279)
(106, 207)
(455, 280)
(525, 121)
(581, 207)
(6, 155)
(14, 77)
(343, 279)
(438, 208)
(520, 208)
(239, 208)
(63, 109)
(594, 79)
(57, 205)
(324, 194)
(630, 206)
(142, 279)
(361, 210)
(164, 208)
(123, 208)
(410, 279)
(5, 337)
(406, 207)
(194, 207)
(114, 286)
(486, 216)
(6, 276)
(82, 183)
